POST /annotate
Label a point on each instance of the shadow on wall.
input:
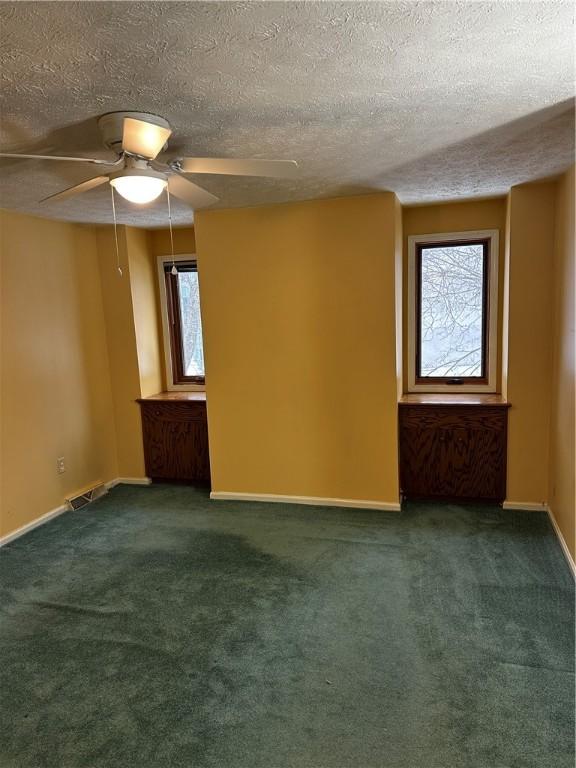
(75, 140)
(83, 136)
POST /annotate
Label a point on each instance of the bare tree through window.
(452, 310)
(191, 324)
(183, 322)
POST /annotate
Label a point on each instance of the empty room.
(287, 368)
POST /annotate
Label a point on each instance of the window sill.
(182, 397)
(460, 398)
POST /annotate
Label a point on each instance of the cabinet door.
(423, 453)
(475, 465)
(453, 452)
(176, 441)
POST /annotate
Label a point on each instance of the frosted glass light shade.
(139, 189)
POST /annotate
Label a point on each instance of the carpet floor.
(158, 629)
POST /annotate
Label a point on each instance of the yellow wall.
(562, 425)
(301, 339)
(526, 224)
(454, 217)
(145, 303)
(530, 328)
(299, 335)
(505, 335)
(184, 241)
(133, 324)
(122, 350)
(400, 300)
(56, 395)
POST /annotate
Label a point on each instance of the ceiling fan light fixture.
(138, 138)
(139, 186)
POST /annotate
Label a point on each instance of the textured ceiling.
(434, 100)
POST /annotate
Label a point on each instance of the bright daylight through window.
(452, 311)
(191, 323)
(184, 323)
(453, 295)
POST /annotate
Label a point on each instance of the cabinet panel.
(173, 411)
(176, 441)
(422, 452)
(474, 464)
(454, 416)
(453, 452)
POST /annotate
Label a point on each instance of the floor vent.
(83, 499)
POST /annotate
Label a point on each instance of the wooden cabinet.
(453, 449)
(175, 434)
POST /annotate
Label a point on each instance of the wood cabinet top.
(435, 398)
(171, 397)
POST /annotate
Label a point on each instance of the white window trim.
(493, 236)
(162, 260)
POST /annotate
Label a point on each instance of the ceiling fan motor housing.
(111, 127)
(137, 170)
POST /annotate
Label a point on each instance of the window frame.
(487, 383)
(175, 381)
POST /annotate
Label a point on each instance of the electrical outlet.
(60, 466)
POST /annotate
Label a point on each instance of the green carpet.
(157, 629)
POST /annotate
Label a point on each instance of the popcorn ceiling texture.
(433, 100)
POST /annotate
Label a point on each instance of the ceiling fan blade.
(231, 167)
(65, 159)
(144, 139)
(78, 189)
(190, 193)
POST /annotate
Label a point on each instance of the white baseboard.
(562, 540)
(543, 507)
(529, 506)
(33, 524)
(65, 508)
(128, 481)
(316, 501)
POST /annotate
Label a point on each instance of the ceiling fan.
(138, 138)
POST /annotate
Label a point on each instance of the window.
(453, 292)
(182, 323)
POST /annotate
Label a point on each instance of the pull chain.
(173, 271)
(115, 233)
